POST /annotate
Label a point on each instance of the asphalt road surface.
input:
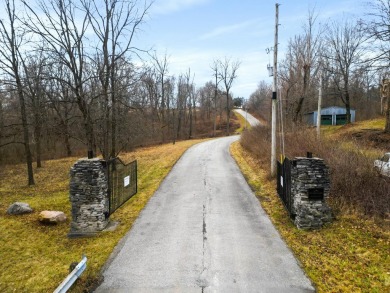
(204, 231)
(252, 120)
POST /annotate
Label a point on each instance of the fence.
(122, 182)
(284, 185)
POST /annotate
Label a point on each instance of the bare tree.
(259, 101)
(217, 80)
(378, 29)
(385, 93)
(227, 73)
(115, 27)
(161, 69)
(344, 54)
(190, 92)
(62, 25)
(34, 68)
(2, 124)
(288, 80)
(307, 47)
(169, 91)
(206, 100)
(12, 38)
(298, 70)
(181, 104)
(61, 100)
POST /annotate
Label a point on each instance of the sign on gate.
(126, 181)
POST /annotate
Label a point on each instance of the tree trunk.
(106, 113)
(387, 125)
(37, 129)
(64, 123)
(1, 117)
(306, 82)
(106, 147)
(67, 145)
(385, 97)
(173, 127)
(26, 135)
(37, 133)
(113, 127)
(215, 121)
(348, 107)
(89, 135)
(88, 125)
(297, 114)
(179, 123)
(190, 117)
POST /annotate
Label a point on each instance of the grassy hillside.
(35, 257)
(352, 253)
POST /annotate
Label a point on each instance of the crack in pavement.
(202, 231)
(202, 278)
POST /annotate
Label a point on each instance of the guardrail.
(72, 277)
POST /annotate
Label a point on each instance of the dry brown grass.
(356, 187)
(36, 258)
(348, 255)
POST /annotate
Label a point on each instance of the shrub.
(355, 186)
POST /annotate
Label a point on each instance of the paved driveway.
(251, 119)
(204, 231)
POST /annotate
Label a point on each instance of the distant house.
(330, 116)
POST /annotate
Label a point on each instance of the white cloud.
(228, 29)
(252, 70)
(169, 6)
(197, 60)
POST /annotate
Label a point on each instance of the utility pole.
(274, 95)
(319, 107)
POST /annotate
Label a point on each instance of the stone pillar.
(310, 186)
(88, 197)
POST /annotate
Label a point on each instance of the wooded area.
(352, 57)
(72, 83)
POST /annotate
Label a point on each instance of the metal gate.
(284, 185)
(122, 182)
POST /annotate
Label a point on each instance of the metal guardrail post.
(72, 277)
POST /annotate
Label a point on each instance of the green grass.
(35, 257)
(349, 255)
(241, 120)
(336, 132)
(340, 130)
(378, 123)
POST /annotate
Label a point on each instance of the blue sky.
(195, 32)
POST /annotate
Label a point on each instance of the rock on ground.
(19, 208)
(51, 217)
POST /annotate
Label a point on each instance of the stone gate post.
(310, 186)
(88, 197)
